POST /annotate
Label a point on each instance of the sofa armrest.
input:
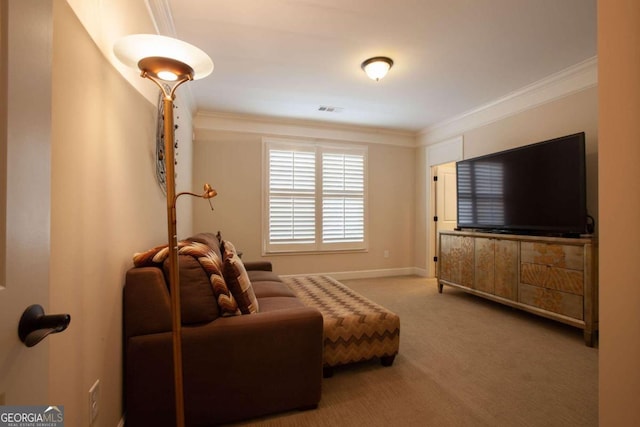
(146, 302)
(234, 368)
(258, 265)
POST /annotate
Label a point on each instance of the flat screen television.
(535, 189)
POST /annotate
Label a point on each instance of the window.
(315, 197)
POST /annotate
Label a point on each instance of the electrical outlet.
(94, 398)
(386, 253)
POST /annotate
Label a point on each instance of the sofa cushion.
(212, 264)
(197, 300)
(209, 262)
(238, 280)
(281, 303)
(269, 288)
(209, 239)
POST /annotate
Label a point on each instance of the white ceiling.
(285, 58)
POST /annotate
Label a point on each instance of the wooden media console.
(554, 277)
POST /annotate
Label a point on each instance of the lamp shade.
(377, 67)
(130, 50)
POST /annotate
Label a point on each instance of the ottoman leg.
(327, 371)
(387, 360)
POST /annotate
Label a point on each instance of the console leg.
(439, 287)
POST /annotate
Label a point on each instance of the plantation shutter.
(315, 197)
(292, 200)
(342, 198)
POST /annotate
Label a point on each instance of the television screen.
(539, 188)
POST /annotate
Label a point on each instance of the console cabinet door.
(496, 267)
(484, 265)
(506, 269)
(456, 257)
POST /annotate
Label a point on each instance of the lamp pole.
(172, 237)
(174, 268)
(165, 61)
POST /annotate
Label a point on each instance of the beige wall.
(105, 206)
(232, 163)
(619, 175)
(107, 21)
(574, 113)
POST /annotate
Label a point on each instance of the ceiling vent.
(329, 109)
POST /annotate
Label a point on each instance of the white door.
(446, 197)
(446, 210)
(25, 101)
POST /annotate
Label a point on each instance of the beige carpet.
(463, 361)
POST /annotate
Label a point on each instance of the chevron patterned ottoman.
(355, 328)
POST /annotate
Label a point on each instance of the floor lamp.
(168, 63)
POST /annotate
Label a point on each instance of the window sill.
(314, 252)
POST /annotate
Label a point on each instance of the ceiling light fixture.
(377, 67)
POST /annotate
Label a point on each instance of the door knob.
(34, 325)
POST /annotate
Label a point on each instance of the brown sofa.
(235, 367)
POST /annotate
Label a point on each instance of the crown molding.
(571, 80)
(161, 16)
(266, 125)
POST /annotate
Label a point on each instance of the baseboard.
(366, 274)
(422, 272)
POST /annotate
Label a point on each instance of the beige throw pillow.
(237, 279)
